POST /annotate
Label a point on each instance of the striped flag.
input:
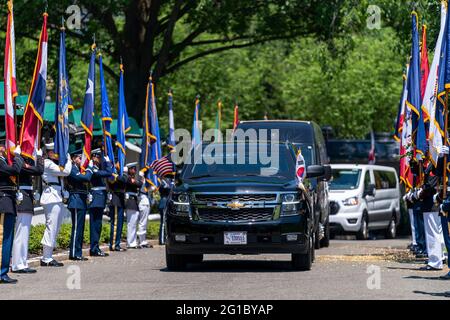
(30, 135)
(196, 128)
(63, 105)
(87, 116)
(217, 134)
(10, 84)
(424, 65)
(163, 167)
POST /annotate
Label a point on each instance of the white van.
(363, 198)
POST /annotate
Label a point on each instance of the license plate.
(233, 238)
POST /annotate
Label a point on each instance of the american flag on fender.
(163, 167)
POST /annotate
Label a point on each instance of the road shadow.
(411, 269)
(424, 278)
(434, 294)
(238, 266)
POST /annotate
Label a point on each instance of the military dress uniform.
(8, 212)
(98, 204)
(133, 186)
(25, 211)
(116, 211)
(145, 203)
(52, 200)
(78, 187)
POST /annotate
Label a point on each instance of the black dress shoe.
(6, 279)
(78, 258)
(429, 268)
(26, 270)
(120, 249)
(98, 254)
(136, 247)
(52, 263)
(445, 277)
(146, 246)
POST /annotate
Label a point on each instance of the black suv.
(307, 136)
(241, 206)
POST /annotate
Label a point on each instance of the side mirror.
(370, 190)
(328, 173)
(315, 171)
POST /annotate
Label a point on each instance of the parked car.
(248, 208)
(308, 137)
(364, 198)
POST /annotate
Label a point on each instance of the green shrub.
(63, 240)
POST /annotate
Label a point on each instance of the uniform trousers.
(77, 235)
(434, 240)
(132, 221)
(7, 221)
(144, 211)
(21, 239)
(446, 235)
(413, 229)
(419, 229)
(117, 216)
(54, 215)
(95, 228)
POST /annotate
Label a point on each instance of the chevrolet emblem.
(235, 205)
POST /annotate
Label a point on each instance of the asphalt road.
(340, 272)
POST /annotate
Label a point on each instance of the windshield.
(345, 179)
(225, 160)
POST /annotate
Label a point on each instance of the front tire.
(176, 262)
(391, 231)
(363, 233)
(303, 261)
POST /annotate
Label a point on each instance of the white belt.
(26, 188)
(98, 189)
(131, 193)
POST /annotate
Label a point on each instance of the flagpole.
(444, 180)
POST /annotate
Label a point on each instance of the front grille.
(245, 214)
(334, 208)
(235, 197)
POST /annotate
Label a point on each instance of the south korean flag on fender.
(300, 169)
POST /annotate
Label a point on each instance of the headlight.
(289, 206)
(181, 203)
(351, 201)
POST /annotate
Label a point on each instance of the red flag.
(30, 134)
(424, 68)
(236, 116)
(10, 85)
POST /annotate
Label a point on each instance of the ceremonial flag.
(171, 142)
(63, 105)
(429, 101)
(424, 65)
(372, 148)
(236, 116)
(156, 152)
(10, 85)
(218, 122)
(163, 167)
(123, 125)
(87, 116)
(106, 117)
(30, 134)
(406, 147)
(196, 129)
(414, 101)
(400, 113)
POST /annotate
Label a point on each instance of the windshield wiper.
(201, 176)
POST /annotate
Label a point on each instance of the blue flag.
(443, 78)
(414, 98)
(63, 105)
(106, 118)
(196, 130)
(123, 125)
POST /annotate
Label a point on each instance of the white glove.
(68, 157)
(435, 198)
(39, 153)
(125, 169)
(443, 151)
(107, 159)
(91, 164)
(17, 151)
(141, 174)
(65, 194)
